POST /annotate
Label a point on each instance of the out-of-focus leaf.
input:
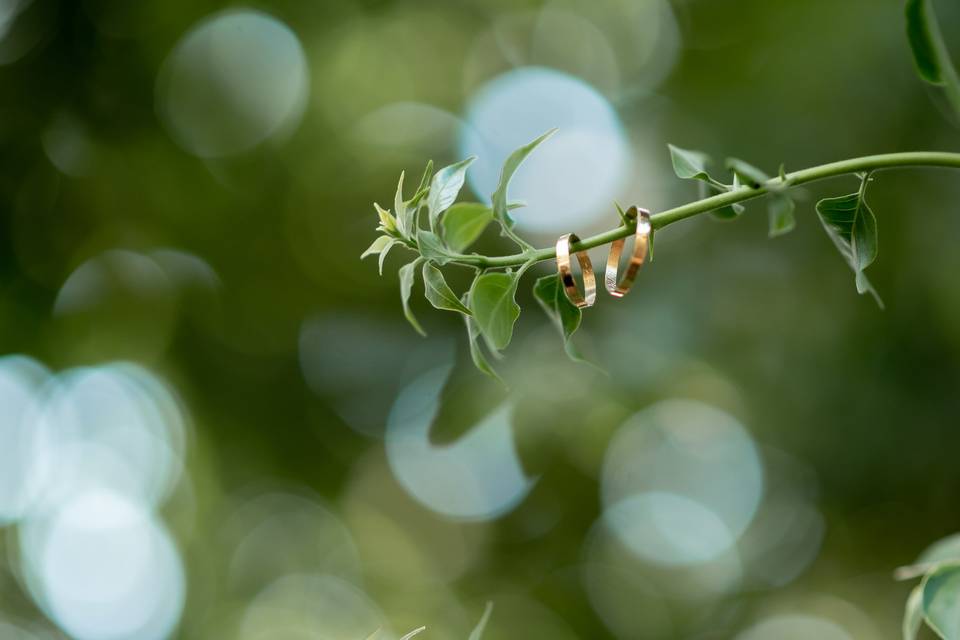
(852, 227)
(923, 33)
(943, 550)
(431, 247)
(476, 350)
(464, 222)
(510, 167)
(565, 315)
(494, 307)
(438, 292)
(913, 614)
(930, 54)
(780, 209)
(408, 273)
(413, 633)
(941, 600)
(381, 243)
(444, 187)
(477, 632)
(749, 174)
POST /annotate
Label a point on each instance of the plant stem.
(664, 218)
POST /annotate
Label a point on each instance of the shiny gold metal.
(641, 247)
(566, 273)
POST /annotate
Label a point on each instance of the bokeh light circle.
(102, 568)
(795, 627)
(479, 477)
(676, 465)
(114, 427)
(235, 80)
(571, 178)
(21, 379)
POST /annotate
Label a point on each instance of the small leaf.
(464, 222)
(923, 33)
(943, 550)
(383, 254)
(565, 315)
(782, 220)
(408, 273)
(424, 186)
(411, 207)
(751, 176)
(444, 187)
(941, 595)
(913, 614)
(437, 291)
(381, 243)
(852, 227)
(494, 307)
(431, 247)
(482, 625)
(476, 351)
(729, 212)
(400, 208)
(688, 164)
(510, 167)
(413, 633)
(387, 222)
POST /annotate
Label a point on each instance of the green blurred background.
(215, 422)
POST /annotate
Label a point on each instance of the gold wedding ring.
(566, 273)
(641, 246)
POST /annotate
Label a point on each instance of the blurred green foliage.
(288, 354)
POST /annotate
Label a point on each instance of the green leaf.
(444, 187)
(782, 220)
(408, 273)
(510, 167)
(388, 223)
(431, 247)
(494, 307)
(941, 600)
(689, 164)
(913, 614)
(383, 254)
(923, 34)
(400, 208)
(413, 633)
(751, 176)
(565, 315)
(464, 222)
(379, 245)
(852, 227)
(943, 550)
(730, 212)
(476, 351)
(437, 291)
(482, 625)
(930, 54)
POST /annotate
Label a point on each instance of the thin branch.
(665, 218)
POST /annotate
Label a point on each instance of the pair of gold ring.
(616, 287)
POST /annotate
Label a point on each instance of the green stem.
(664, 218)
